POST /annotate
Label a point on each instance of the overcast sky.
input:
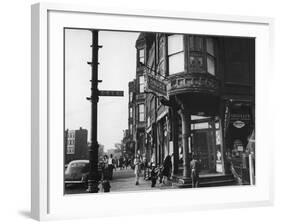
(117, 67)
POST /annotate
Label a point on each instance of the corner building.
(207, 107)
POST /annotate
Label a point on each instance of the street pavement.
(123, 180)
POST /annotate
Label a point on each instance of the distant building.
(128, 144)
(131, 138)
(76, 146)
(137, 97)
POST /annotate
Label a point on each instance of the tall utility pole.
(93, 180)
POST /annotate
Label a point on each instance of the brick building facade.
(76, 145)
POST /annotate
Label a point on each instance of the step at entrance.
(206, 181)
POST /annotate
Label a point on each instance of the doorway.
(204, 140)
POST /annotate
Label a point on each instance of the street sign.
(111, 93)
(154, 84)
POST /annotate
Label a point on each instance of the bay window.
(201, 55)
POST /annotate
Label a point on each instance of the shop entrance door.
(204, 144)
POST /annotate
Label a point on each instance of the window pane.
(199, 43)
(195, 43)
(131, 112)
(175, 44)
(141, 83)
(191, 43)
(141, 112)
(211, 65)
(141, 108)
(141, 53)
(141, 56)
(210, 46)
(196, 63)
(176, 63)
(141, 79)
(141, 60)
(131, 129)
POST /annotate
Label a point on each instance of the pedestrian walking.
(127, 162)
(195, 167)
(105, 174)
(167, 169)
(154, 170)
(154, 175)
(137, 164)
(110, 166)
(115, 161)
(121, 162)
(145, 168)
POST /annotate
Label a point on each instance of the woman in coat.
(167, 168)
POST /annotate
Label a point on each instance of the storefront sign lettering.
(155, 85)
(240, 117)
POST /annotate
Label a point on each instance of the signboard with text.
(154, 84)
(111, 93)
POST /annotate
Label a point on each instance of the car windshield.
(77, 168)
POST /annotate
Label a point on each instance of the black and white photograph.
(147, 111)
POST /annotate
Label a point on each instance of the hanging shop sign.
(154, 84)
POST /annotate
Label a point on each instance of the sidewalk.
(129, 184)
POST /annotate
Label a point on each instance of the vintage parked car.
(77, 172)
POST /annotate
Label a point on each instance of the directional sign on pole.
(111, 93)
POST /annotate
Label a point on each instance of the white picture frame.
(48, 201)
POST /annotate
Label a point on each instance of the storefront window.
(175, 54)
